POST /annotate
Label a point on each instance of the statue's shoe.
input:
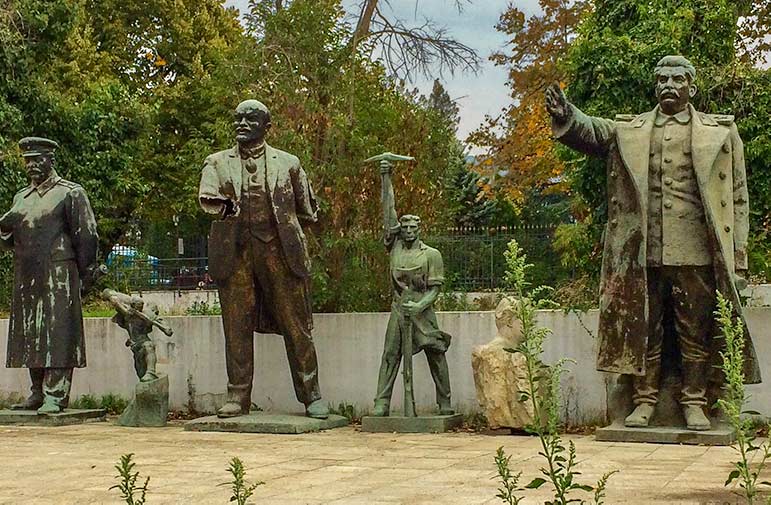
(640, 416)
(695, 419)
(317, 409)
(231, 409)
(149, 377)
(381, 409)
(34, 402)
(445, 410)
(49, 408)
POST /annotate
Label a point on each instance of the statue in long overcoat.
(676, 234)
(52, 232)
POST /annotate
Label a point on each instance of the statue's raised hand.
(556, 103)
(385, 167)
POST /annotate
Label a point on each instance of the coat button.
(668, 181)
(667, 160)
(721, 175)
(613, 173)
(667, 137)
(726, 147)
(668, 204)
(613, 222)
(723, 203)
(614, 200)
(727, 228)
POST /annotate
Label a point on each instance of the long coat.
(292, 203)
(718, 162)
(52, 232)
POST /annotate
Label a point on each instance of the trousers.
(691, 291)
(262, 280)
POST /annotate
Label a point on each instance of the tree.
(610, 70)
(519, 140)
(440, 102)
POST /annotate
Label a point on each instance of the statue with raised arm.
(417, 274)
(676, 234)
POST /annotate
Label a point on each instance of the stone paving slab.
(74, 465)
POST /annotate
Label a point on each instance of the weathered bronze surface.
(417, 274)
(258, 256)
(138, 319)
(52, 232)
(677, 232)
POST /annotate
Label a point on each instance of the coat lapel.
(634, 143)
(272, 167)
(235, 171)
(707, 138)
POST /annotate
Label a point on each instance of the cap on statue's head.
(36, 146)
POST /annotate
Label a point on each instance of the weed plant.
(131, 493)
(543, 383)
(732, 404)
(241, 490)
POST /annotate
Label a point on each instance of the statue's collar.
(44, 186)
(683, 117)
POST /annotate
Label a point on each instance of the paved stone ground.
(74, 465)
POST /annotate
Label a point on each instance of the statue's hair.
(676, 61)
(256, 105)
(407, 218)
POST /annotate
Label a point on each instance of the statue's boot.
(695, 419)
(317, 409)
(694, 395)
(640, 416)
(382, 409)
(35, 400)
(50, 406)
(238, 402)
(445, 409)
(149, 377)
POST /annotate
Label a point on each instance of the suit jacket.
(291, 198)
(717, 154)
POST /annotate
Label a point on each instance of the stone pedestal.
(261, 422)
(150, 406)
(64, 418)
(498, 376)
(667, 426)
(419, 424)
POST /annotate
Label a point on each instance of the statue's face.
(410, 231)
(38, 167)
(673, 89)
(250, 124)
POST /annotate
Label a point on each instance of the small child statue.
(138, 319)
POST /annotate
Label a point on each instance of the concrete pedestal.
(64, 418)
(617, 432)
(420, 424)
(260, 422)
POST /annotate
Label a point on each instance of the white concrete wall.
(349, 348)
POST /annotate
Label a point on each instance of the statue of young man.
(677, 233)
(417, 275)
(52, 232)
(258, 256)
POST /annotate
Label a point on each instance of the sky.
(477, 95)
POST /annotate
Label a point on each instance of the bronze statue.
(417, 274)
(677, 232)
(258, 256)
(138, 319)
(52, 232)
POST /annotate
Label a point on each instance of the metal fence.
(473, 261)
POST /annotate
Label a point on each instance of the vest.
(256, 210)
